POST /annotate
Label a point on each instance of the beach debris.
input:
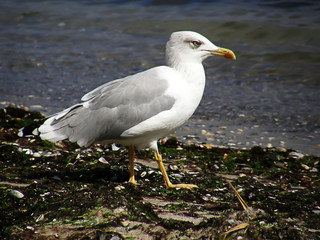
(16, 193)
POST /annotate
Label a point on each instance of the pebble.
(204, 132)
(16, 193)
(103, 160)
(114, 147)
(36, 107)
(192, 172)
(137, 167)
(40, 218)
(50, 154)
(304, 166)
(314, 169)
(280, 164)
(230, 221)
(99, 149)
(125, 223)
(296, 155)
(25, 150)
(282, 149)
(205, 198)
(36, 154)
(115, 238)
(20, 133)
(176, 175)
(208, 146)
(214, 199)
(119, 188)
(174, 167)
(30, 228)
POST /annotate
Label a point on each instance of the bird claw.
(132, 181)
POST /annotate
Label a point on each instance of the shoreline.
(228, 134)
(64, 191)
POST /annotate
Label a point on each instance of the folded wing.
(109, 110)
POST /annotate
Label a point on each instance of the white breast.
(186, 87)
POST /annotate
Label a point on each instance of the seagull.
(137, 110)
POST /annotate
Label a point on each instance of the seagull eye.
(196, 43)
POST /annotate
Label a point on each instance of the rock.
(16, 193)
(296, 155)
(36, 154)
(103, 160)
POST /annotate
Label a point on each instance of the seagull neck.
(192, 70)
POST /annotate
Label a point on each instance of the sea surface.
(53, 52)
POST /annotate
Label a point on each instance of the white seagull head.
(192, 47)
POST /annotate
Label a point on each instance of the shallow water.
(53, 52)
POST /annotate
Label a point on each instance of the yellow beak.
(224, 52)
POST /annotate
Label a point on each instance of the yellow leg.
(165, 176)
(131, 165)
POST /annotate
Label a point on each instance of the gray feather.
(109, 110)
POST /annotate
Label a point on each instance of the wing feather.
(109, 110)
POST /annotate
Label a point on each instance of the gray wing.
(109, 110)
